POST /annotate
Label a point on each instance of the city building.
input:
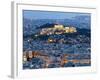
(58, 29)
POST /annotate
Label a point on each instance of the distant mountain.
(78, 21)
(47, 25)
(32, 26)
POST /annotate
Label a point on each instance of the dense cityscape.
(54, 44)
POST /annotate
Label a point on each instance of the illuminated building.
(72, 29)
(58, 29)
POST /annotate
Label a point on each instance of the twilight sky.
(29, 14)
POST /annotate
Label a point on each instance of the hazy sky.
(51, 14)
